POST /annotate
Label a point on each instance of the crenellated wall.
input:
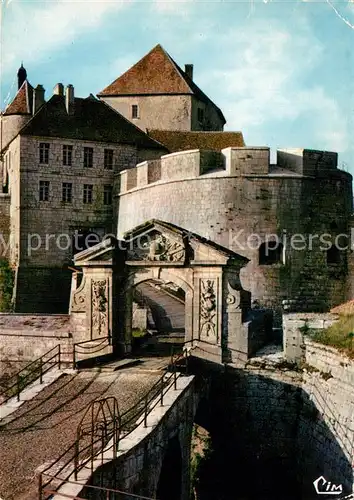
(229, 197)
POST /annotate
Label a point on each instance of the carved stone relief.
(233, 298)
(157, 248)
(208, 309)
(99, 308)
(79, 298)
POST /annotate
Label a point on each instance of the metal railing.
(31, 372)
(100, 492)
(109, 430)
(88, 347)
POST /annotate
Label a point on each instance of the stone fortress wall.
(229, 195)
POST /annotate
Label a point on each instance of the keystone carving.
(158, 249)
(99, 307)
(208, 310)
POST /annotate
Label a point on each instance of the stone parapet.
(306, 161)
(194, 163)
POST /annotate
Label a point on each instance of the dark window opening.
(333, 255)
(107, 195)
(67, 156)
(270, 252)
(88, 193)
(135, 111)
(108, 159)
(43, 190)
(333, 226)
(67, 192)
(44, 152)
(200, 115)
(88, 157)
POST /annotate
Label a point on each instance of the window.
(88, 157)
(135, 111)
(88, 192)
(200, 115)
(107, 195)
(43, 190)
(333, 255)
(44, 152)
(67, 156)
(270, 252)
(67, 192)
(108, 159)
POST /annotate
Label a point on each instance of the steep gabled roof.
(180, 140)
(22, 102)
(156, 74)
(90, 119)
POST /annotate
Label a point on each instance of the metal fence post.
(162, 391)
(74, 361)
(18, 380)
(76, 458)
(40, 370)
(59, 357)
(145, 412)
(40, 486)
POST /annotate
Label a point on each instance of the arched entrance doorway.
(164, 303)
(158, 317)
(157, 252)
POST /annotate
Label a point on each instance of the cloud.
(266, 83)
(177, 7)
(33, 30)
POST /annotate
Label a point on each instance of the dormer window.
(135, 111)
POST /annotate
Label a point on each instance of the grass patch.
(138, 333)
(339, 335)
(6, 286)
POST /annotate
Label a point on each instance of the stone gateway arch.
(215, 303)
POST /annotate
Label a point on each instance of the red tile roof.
(176, 140)
(22, 102)
(156, 74)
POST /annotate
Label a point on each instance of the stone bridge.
(153, 460)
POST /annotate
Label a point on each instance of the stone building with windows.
(58, 177)
(157, 94)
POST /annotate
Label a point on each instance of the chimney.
(38, 98)
(69, 99)
(188, 69)
(58, 89)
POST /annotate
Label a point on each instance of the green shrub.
(339, 335)
(6, 286)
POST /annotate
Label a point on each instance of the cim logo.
(324, 487)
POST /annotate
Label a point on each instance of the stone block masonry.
(288, 426)
(327, 411)
(26, 337)
(231, 196)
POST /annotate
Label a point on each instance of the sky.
(281, 71)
